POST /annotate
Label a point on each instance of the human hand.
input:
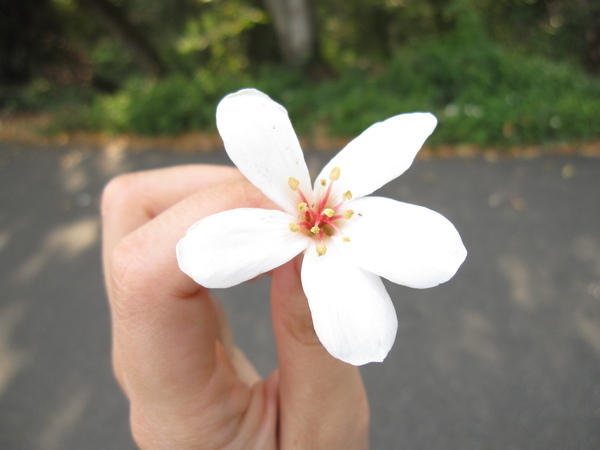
(189, 386)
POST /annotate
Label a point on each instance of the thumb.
(323, 403)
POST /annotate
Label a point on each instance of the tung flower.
(349, 240)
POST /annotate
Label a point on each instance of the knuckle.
(118, 371)
(118, 193)
(151, 429)
(143, 434)
(127, 271)
(299, 326)
(247, 194)
(303, 331)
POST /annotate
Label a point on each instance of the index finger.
(165, 326)
(131, 200)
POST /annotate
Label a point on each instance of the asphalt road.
(504, 356)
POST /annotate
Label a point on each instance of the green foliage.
(494, 73)
(174, 105)
(481, 94)
(40, 95)
(220, 29)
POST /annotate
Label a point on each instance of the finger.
(131, 200)
(154, 303)
(323, 403)
(166, 326)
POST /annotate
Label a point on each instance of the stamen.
(335, 174)
(302, 197)
(293, 183)
(325, 197)
(319, 219)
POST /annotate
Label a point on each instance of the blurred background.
(494, 72)
(504, 356)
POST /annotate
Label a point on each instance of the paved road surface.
(505, 356)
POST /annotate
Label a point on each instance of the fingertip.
(292, 318)
(287, 276)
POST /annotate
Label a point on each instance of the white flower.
(350, 240)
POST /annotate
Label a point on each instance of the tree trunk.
(115, 20)
(295, 26)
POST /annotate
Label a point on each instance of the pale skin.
(188, 384)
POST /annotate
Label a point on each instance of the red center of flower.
(321, 219)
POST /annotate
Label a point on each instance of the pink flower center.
(321, 219)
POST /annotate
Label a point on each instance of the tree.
(296, 30)
(116, 21)
(29, 39)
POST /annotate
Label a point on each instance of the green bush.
(174, 105)
(481, 93)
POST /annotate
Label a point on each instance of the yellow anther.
(293, 183)
(323, 182)
(321, 249)
(346, 239)
(347, 195)
(348, 213)
(294, 226)
(315, 229)
(335, 174)
(302, 206)
(328, 212)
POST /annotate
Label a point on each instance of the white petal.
(237, 245)
(380, 154)
(352, 313)
(260, 140)
(407, 244)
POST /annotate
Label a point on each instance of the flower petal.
(352, 313)
(234, 246)
(407, 244)
(380, 154)
(261, 142)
